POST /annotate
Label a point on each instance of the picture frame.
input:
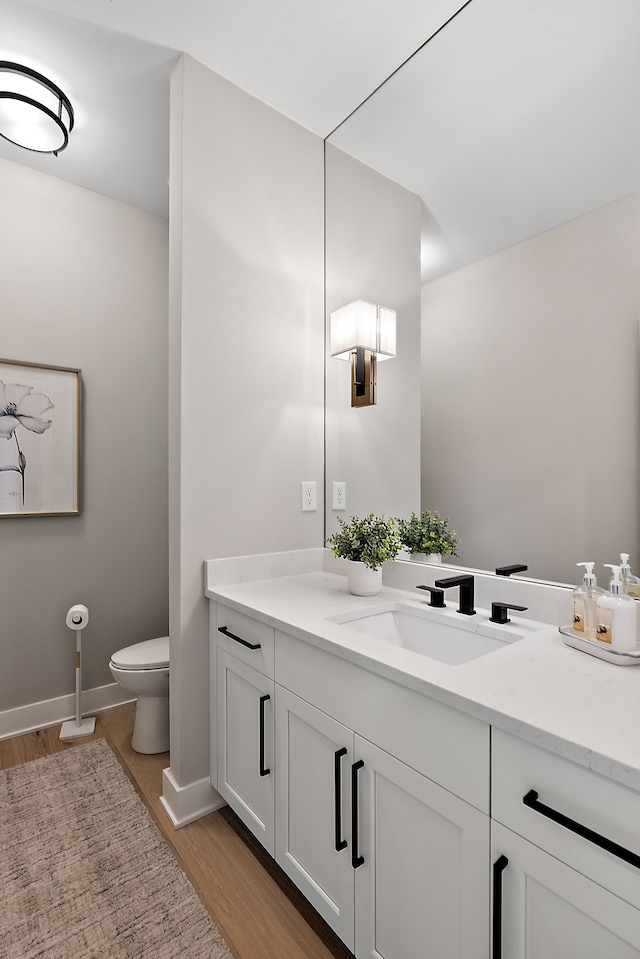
(40, 439)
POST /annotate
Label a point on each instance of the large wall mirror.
(489, 192)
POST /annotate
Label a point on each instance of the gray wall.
(246, 372)
(531, 398)
(373, 254)
(84, 284)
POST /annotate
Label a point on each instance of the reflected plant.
(20, 406)
(428, 533)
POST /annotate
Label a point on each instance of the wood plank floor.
(259, 911)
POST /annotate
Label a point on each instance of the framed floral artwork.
(40, 439)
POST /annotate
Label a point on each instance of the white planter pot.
(362, 580)
(433, 558)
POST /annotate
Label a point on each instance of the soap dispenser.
(617, 616)
(630, 582)
(585, 599)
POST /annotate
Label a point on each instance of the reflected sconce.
(363, 333)
(34, 113)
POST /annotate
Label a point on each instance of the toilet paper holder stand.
(77, 618)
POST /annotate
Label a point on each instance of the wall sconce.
(363, 333)
(34, 112)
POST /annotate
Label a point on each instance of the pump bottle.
(631, 583)
(585, 599)
(617, 613)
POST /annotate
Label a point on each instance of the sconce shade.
(363, 333)
(364, 325)
(386, 333)
(34, 112)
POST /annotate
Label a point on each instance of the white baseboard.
(49, 712)
(185, 804)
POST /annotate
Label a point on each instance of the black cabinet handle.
(356, 860)
(499, 867)
(531, 800)
(263, 771)
(225, 632)
(337, 780)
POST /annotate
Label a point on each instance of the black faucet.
(465, 582)
(508, 570)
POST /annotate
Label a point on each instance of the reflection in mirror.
(515, 132)
(373, 254)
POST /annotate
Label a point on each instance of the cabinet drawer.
(245, 638)
(438, 741)
(582, 799)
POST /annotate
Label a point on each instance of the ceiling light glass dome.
(34, 112)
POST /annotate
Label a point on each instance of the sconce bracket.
(364, 369)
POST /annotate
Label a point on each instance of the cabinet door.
(422, 888)
(246, 745)
(550, 911)
(314, 754)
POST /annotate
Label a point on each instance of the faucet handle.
(508, 570)
(436, 597)
(499, 612)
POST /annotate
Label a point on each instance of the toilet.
(143, 670)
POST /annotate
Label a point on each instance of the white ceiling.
(519, 115)
(313, 62)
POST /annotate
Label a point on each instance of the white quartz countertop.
(580, 707)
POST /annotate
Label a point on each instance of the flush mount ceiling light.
(34, 112)
(363, 333)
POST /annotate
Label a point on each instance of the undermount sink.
(448, 640)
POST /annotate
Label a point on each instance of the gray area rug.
(84, 870)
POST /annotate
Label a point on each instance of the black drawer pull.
(356, 860)
(225, 632)
(531, 800)
(499, 867)
(263, 770)
(337, 781)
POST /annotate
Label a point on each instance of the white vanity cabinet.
(381, 798)
(314, 755)
(244, 719)
(387, 857)
(551, 911)
(390, 858)
(415, 828)
(422, 886)
(562, 838)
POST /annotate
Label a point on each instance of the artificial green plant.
(372, 540)
(428, 533)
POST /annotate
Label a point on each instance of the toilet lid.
(152, 653)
